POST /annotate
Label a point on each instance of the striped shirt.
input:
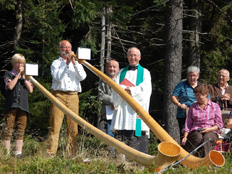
(206, 118)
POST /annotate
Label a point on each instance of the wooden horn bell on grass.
(165, 157)
(167, 154)
(214, 158)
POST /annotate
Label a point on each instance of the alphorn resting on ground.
(214, 158)
(168, 152)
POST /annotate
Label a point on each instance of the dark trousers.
(181, 123)
(129, 138)
(196, 138)
(104, 126)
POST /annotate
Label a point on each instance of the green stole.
(140, 72)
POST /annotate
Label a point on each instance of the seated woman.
(204, 121)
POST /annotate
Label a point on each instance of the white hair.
(195, 69)
(226, 71)
(131, 48)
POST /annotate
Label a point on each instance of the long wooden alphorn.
(165, 157)
(214, 158)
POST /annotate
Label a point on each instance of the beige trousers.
(71, 101)
(20, 117)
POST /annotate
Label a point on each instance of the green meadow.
(93, 157)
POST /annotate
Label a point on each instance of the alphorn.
(214, 158)
(168, 152)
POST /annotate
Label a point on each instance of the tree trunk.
(19, 24)
(195, 28)
(108, 35)
(173, 62)
(102, 53)
(103, 30)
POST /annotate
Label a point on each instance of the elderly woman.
(183, 95)
(203, 122)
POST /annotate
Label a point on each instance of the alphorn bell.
(168, 152)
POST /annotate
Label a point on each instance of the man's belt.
(66, 92)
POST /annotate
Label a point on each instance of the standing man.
(112, 68)
(136, 81)
(221, 92)
(66, 76)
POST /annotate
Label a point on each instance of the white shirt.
(67, 77)
(223, 89)
(124, 117)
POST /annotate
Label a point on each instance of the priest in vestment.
(126, 123)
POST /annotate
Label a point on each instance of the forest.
(34, 28)
(171, 35)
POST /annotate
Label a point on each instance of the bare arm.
(11, 84)
(229, 124)
(183, 142)
(27, 83)
(29, 86)
(176, 102)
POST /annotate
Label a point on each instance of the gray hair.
(195, 69)
(107, 63)
(131, 48)
(226, 71)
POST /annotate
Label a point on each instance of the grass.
(100, 159)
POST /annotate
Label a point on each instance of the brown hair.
(202, 88)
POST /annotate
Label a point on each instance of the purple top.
(208, 117)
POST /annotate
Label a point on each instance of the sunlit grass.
(93, 157)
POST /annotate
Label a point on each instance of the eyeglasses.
(133, 55)
(192, 75)
(66, 47)
(222, 76)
